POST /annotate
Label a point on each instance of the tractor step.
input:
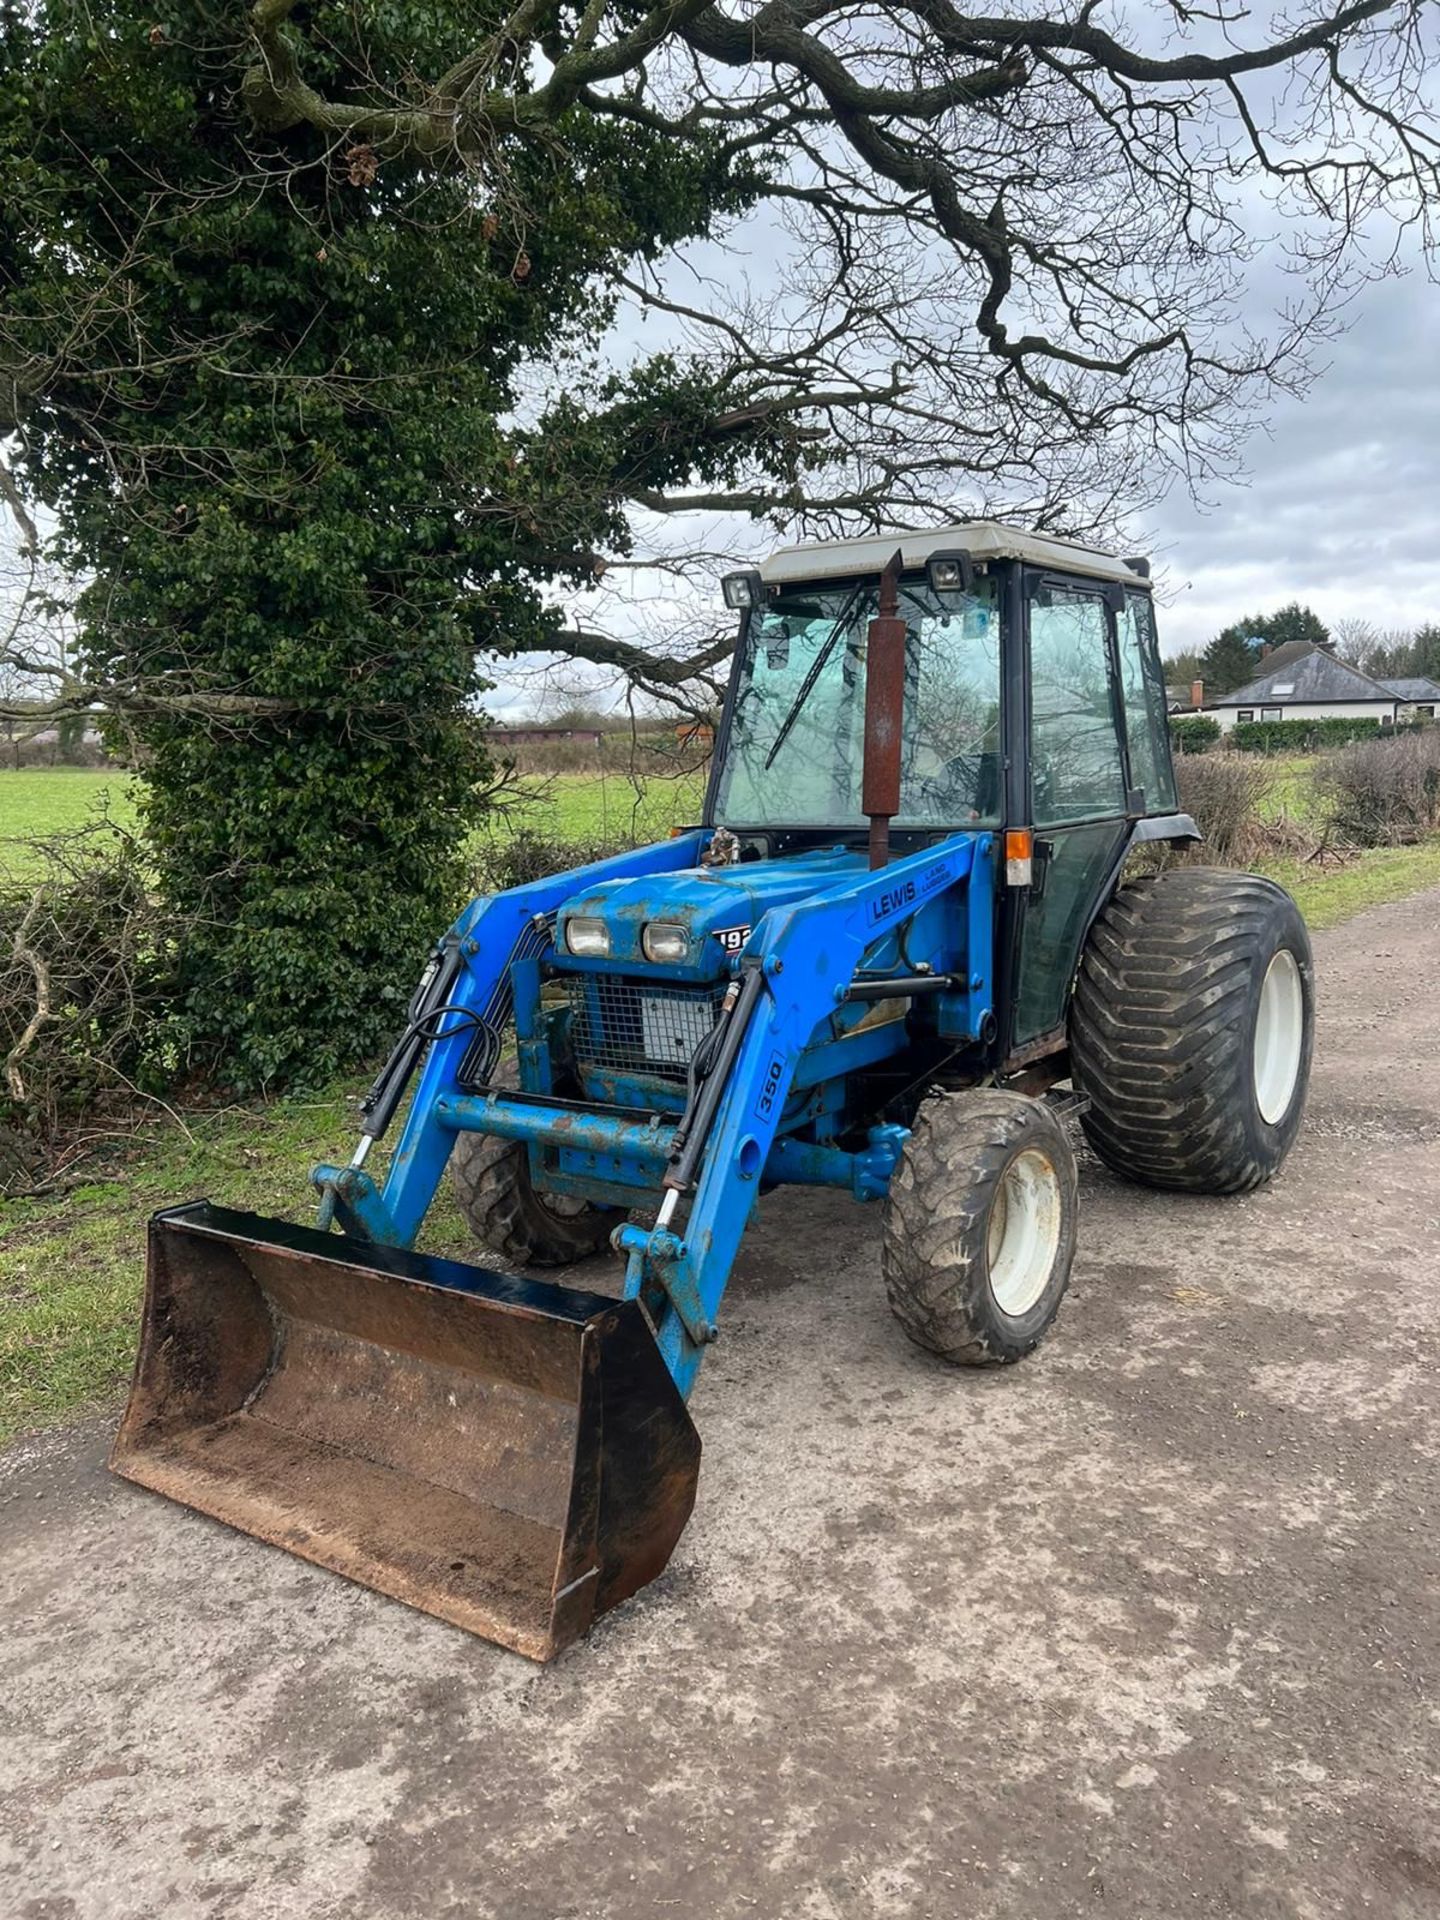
(508, 1455)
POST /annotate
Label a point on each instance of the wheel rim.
(1024, 1232)
(1279, 1037)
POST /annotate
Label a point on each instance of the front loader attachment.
(508, 1455)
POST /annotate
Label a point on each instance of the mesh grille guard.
(629, 1026)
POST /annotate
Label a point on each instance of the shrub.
(87, 964)
(1299, 736)
(529, 855)
(1193, 732)
(1223, 796)
(1384, 792)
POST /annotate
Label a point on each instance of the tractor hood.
(718, 906)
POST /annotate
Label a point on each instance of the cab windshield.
(797, 734)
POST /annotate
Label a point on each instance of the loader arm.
(801, 963)
(807, 956)
(489, 937)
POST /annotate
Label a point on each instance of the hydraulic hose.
(699, 1116)
(431, 999)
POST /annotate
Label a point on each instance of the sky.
(1342, 507)
(1336, 505)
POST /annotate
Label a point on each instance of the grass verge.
(1329, 895)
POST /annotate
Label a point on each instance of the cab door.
(1081, 797)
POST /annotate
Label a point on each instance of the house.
(1305, 682)
(1185, 699)
(543, 736)
(1419, 698)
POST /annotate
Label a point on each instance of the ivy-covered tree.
(286, 440)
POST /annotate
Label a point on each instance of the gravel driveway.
(1147, 1626)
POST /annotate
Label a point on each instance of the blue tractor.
(901, 943)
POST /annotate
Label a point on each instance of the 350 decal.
(770, 1087)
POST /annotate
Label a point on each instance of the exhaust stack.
(884, 713)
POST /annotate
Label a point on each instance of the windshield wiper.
(806, 685)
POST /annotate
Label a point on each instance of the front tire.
(1192, 1029)
(980, 1227)
(502, 1208)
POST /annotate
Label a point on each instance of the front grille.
(620, 1026)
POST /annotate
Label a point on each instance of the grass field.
(586, 806)
(71, 1266)
(1291, 790)
(41, 800)
(568, 806)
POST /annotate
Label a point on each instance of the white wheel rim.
(1024, 1232)
(1279, 1037)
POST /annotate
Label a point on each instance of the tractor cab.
(1028, 709)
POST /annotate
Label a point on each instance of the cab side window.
(1142, 683)
(1075, 766)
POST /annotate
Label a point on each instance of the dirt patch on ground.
(1148, 1626)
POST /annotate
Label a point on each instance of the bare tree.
(1004, 254)
(1013, 245)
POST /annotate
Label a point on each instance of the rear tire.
(1192, 1029)
(980, 1226)
(492, 1183)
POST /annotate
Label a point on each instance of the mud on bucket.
(508, 1455)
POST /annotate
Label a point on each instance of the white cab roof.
(981, 539)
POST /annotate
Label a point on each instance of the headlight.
(665, 943)
(586, 936)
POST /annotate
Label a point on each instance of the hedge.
(1193, 732)
(1299, 736)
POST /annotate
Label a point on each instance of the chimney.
(1197, 693)
(1265, 648)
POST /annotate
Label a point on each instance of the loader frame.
(809, 955)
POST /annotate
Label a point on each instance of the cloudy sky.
(1337, 505)
(1342, 507)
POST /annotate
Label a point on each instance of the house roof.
(1311, 677)
(1413, 689)
(981, 539)
(1287, 655)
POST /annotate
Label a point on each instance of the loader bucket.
(510, 1456)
